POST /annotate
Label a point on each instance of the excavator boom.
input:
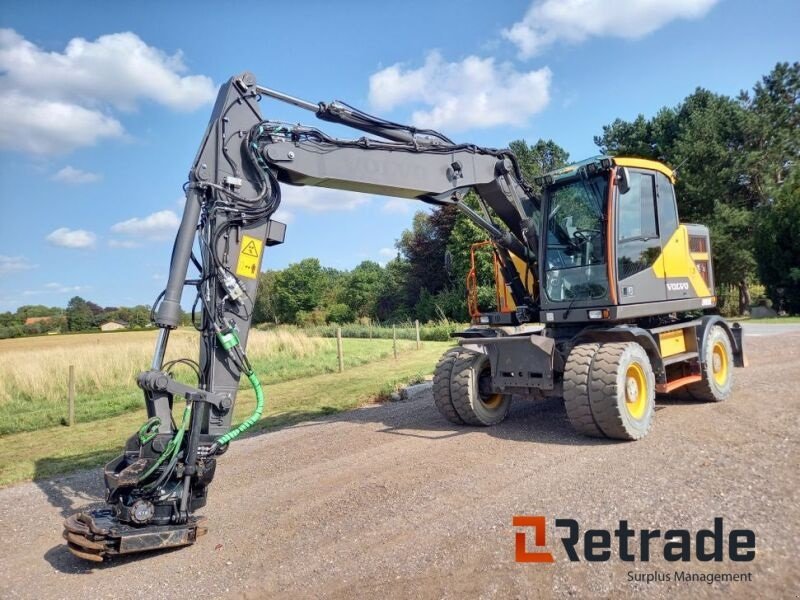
(161, 478)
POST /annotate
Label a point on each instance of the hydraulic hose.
(174, 445)
(251, 420)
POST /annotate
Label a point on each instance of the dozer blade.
(97, 535)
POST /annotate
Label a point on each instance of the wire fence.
(75, 408)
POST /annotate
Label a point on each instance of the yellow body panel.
(672, 342)
(676, 261)
(643, 163)
(504, 296)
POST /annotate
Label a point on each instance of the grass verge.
(56, 450)
(33, 377)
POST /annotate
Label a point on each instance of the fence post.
(416, 324)
(370, 329)
(339, 348)
(394, 340)
(71, 396)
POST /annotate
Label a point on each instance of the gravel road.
(392, 501)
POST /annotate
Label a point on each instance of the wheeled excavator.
(603, 297)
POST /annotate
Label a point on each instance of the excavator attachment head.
(98, 535)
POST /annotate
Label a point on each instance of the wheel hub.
(631, 390)
(636, 391)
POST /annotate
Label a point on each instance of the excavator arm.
(155, 486)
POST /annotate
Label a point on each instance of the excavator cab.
(613, 246)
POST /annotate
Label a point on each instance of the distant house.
(32, 320)
(114, 325)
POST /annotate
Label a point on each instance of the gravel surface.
(392, 500)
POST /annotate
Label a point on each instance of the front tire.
(473, 401)
(576, 389)
(622, 390)
(441, 386)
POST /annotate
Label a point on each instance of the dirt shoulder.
(392, 500)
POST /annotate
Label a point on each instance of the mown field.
(34, 371)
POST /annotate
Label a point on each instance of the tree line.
(80, 315)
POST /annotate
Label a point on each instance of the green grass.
(769, 320)
(29, 412)
(56, 450)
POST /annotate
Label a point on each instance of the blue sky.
(102, 110)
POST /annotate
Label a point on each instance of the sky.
(102, 110)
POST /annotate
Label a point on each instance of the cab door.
(640, 275)
(673, 240)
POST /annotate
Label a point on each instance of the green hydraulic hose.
(173, 445)
(251, 420)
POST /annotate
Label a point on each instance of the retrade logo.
(631, 545)
(539, 540)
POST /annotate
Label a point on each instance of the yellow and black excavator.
(603, 297)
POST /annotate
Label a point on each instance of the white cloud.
(473, 93)
(72, 238)
(54, 102)
(319, 199)
(573, 21)
(72, 175)
(123, 243)
(40, 126)
(388, 252)
(159, 225)
(56, 288)
(14, 264)
(399, 206)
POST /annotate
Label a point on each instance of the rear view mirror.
(623, 180)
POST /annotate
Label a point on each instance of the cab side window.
(638, 244)
(637, 208)
(667, 210)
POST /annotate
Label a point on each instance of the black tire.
(473, 406)
(441, 386)
(716, 368)
(576, 390)
(622, 389)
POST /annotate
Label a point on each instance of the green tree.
(79, 315)
(362, 289)
(299, 287)
(540, 158)
(778, 244)
(391, 302)
(424, 247)
(265, 309)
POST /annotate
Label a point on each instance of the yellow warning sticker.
(249, 257)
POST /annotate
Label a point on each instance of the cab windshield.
(575, 253)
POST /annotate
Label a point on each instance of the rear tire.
(441, 386)
(576, 390)
(622, 391)
(716, 369)
(476, 407)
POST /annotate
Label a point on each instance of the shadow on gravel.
(528, 421)
(64, 561)
(67, 492)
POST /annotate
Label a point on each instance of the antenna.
(683, 162)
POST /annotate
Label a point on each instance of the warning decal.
(249, 257)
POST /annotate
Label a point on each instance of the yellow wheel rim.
(719, 363)
(635, 391)
(492, 401)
